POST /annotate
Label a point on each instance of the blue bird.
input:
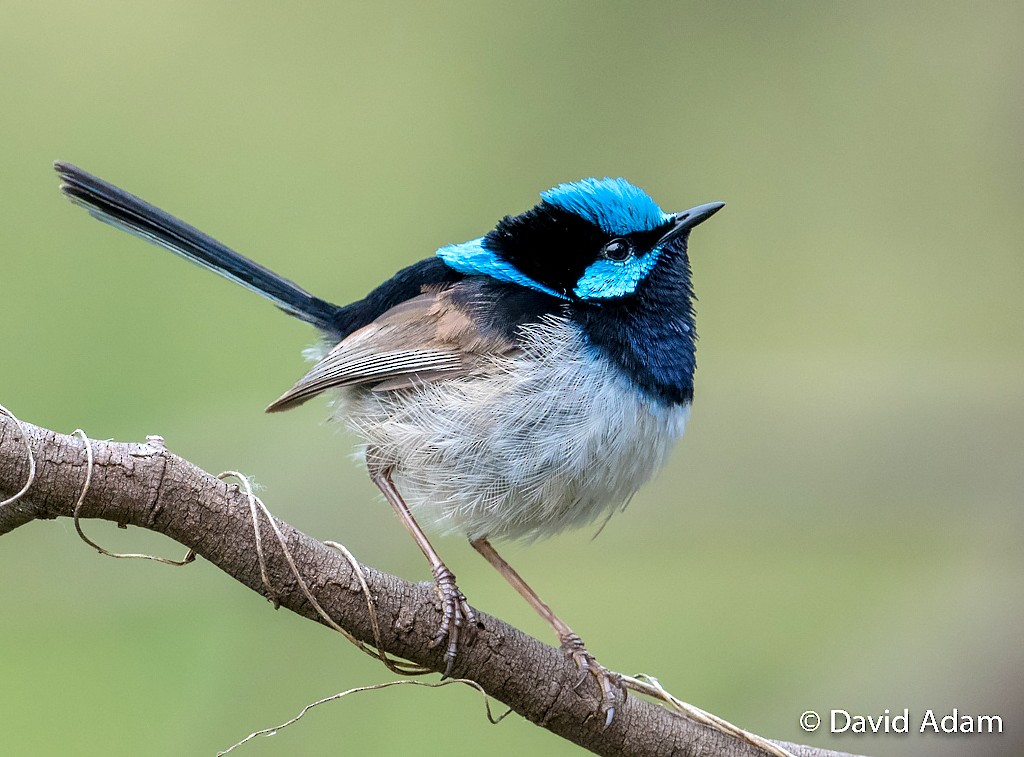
(508, 387)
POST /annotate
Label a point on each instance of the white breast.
(533, 444)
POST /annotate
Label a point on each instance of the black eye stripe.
(547, 244)
(645, 240)
(555, 247)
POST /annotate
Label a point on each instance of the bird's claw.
(455, 614)
(610, 682)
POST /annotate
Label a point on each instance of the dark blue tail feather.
(129, 213)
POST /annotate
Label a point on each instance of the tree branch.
(147, 486)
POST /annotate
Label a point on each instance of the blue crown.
(615, 205)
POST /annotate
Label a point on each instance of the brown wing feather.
(427, 338)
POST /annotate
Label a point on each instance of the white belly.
(531, 445)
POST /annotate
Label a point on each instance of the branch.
(147, 486)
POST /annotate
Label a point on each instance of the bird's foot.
(609, 682)
(455, 614)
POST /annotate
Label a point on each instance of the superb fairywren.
(508, 387)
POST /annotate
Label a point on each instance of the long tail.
(127, 212)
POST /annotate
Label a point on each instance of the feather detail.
(548, 438)
(431, 337)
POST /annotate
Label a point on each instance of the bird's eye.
(618, 250)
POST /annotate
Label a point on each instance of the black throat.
(652, 335)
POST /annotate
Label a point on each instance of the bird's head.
(593, 240)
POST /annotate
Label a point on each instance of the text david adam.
(952, 722)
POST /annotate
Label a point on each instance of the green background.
(841, 526)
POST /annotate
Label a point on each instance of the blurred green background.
(842, 525)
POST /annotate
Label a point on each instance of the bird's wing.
(430, 337)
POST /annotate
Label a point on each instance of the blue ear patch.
(604, 279)
(473, 259)
(614, 205)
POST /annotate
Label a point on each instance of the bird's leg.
(455, 611)
(572, 644)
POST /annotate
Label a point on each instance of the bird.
(508, 387)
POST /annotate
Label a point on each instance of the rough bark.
(145, 485)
